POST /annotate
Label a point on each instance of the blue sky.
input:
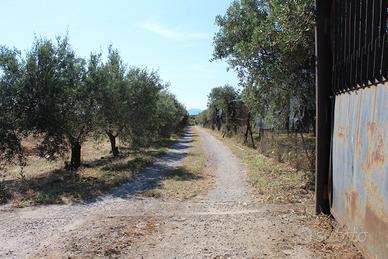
(171, 36)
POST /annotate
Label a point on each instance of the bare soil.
(227, 221)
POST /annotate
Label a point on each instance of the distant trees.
(270, 43)
(171, 115)
(227, 112)
(201, 118)
(222, 103)
(58, 96)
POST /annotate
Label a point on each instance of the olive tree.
(172, 116)
(11, 118)
(128, 101)
(113, 96)
(60, 101)
(145, 87)
(59, 97)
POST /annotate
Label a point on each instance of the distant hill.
(194, 111)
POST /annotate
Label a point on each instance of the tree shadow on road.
(130, 173)
(183, 174)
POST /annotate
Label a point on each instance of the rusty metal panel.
(360, 166)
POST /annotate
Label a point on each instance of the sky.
(171, 36)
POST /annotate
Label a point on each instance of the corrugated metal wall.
(360, 166)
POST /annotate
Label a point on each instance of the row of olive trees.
(52, 93)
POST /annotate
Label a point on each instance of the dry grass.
(188, 180)
(45, 182)
(282, 183)
(110, 237)
(274, 181)
(332, 240)
(320, 234)
(288, 148)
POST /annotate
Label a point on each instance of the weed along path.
(224, 222)
(141, 219)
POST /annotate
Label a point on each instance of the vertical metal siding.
(360, 166)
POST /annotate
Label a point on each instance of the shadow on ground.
(130, 173)
(167, 168)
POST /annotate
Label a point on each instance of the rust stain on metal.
(351, 210)
(376, 228)
(354, 203)
(376, 156)
(360, 165)
(371, 128)
(341, 133)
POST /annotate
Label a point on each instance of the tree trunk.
(246, 135)
(75, 161)
(251, 134)
(114, 148)
(249, 131)
(252, 139)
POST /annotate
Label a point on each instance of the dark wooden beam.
(323, 106)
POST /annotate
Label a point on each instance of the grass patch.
(188, 180)
(51, 184)
(274, 181)
(288, 148)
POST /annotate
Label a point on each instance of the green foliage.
(225, 109)
(60, 102)
(220, 98)
(63, 99)
(171, 116)
(135, 105)
(113, 92)
(201, 118)
(270, 43)
(11, 68)
(144, 95)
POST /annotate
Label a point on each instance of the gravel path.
(39, 231)
(227, 221)
(222, 223)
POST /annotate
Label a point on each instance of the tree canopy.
(64, 99)
(60, 102)
(270, 43)
(11, 122)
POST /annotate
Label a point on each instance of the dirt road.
(227, 221)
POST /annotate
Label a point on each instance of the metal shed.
(352, 119)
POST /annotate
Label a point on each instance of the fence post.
(323, 113)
